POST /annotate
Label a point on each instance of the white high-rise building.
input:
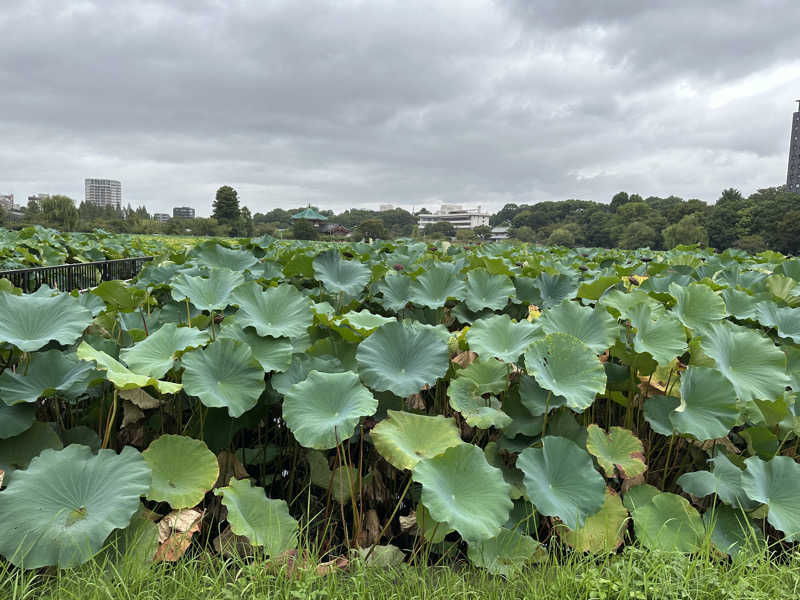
(455, 214)
(104, 192)
(7, 201)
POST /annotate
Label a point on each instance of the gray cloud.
(355, 103)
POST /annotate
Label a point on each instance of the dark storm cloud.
(346, 102)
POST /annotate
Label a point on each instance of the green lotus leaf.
(554, 289)
(523, 422)
(224, 375)
(207, 293)
(725, 480)
(435, 286)
(732, 531)
(500, 337)
(476, 512)
(213, 254)
(697, 305)
(485, 290)
(657, 412)
(749, 360)
(431, 530)
(364, 321)
(323, 410)
(593, 290)
(120, 375)
(669, 523)
(564, 365)
(623, 304)
(466, 397)
(620, 449)
(785, 320)
(535, 398)
(594, 327)
(276, 312)
(505, 554)
(761, 441)
(119, 296)
(339, 482)
(83, 435)
(156, 354)
(784, 288)
(792, 354)
(776, 483)
(273, 354)
(15, 419)
(61, 509)
(708, 408)
(394, 289)
(340, 276)
(29, 322)
(48, 373)
(639, 495)
(660, 335)
(490, 375)
(603, 531)
(561, 481)
(17, 451)
(404, 439)
(302, 365)
(133, 547)
(740, 304)
(263, 521)
(401, 358)
(183, 470)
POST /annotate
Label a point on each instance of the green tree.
(303, 229)
(561, 237)
(226, 206)
(523, 234)
(59, 212)
(689, 230)
(443, 228)
(245, 222)
(638, 235)
(483, 232)
(372, 228)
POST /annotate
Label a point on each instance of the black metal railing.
(76, 276)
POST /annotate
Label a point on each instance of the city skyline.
(412, 104)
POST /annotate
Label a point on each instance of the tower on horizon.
(793, 173)
(103, 192)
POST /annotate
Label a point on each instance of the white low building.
(499, 233)
(455, 214)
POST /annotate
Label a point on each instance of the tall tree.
(226, 206)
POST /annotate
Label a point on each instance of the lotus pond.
(398, 402)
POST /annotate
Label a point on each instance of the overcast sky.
(345, 103)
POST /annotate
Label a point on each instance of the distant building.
(183, 212)
(161, 217)
(793, 174)
(334, 229)
(455, 214)
(37, 197)
(310, 214)
(386, 207)
(104, 192)
(499, 233)
(7, 201)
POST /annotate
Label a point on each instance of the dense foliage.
(432, 400)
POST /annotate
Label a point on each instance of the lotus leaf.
(405, 438)
(394, 289)
(263, 521)
(504, 554)
(477, 512)
(725, 481)
(466, 397)
(276, 312)
(207, 293)
(554, 289)
(213, 254)
(561, 481)
(431, 530)
(697, 305)
(364, 321)
(786, 321)
(594, 327)
(639, 495)
(435, 286)
(749, 360)
(61, 509)
(485, 290)
(30, 322)
(120, 296)
(500, 337)
(120, 375)
(657, 412)
(603, 531)
(345, 277)
(47, 374)
(535, 398)
(15, 419)
(623, 305)
(323, 410)
(660, 335)
(338, 482)
(708, 408)
(522, 421)
(620, 449)
(156, 353)
(273, 354)
(224, 375)
(669, 523)
(776, 483)
(401, 358)
(564, 365)
(732, 531)
(183, 470)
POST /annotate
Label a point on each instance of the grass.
(633, 575)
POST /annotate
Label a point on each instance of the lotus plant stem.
(188, 313)
(213, 330)
(546, 411)
(144, 322)
(110, 421)
(666, 461)
(389, 520)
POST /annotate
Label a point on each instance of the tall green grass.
(634, 574)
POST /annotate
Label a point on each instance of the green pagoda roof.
(310, 214)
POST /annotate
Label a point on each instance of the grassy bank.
(634, 574)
